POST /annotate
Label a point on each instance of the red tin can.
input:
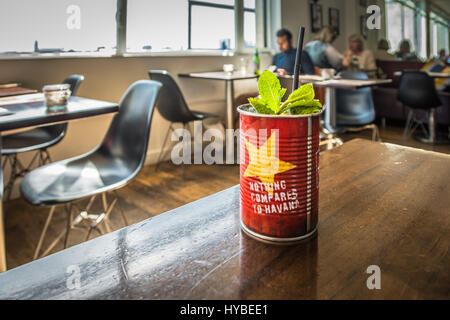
(279, 175)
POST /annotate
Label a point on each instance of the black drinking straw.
(301, 34)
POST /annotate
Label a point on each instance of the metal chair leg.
(18, 170)
(68, 209)
(122, 213)
(375, 133)
(43, 233)
(407, 126)
(97, 222)
(14, 174)
(164, 153)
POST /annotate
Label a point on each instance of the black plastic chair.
(111, 165)
(38, 139)
(172, 106)
(417, 91)
(355, 109)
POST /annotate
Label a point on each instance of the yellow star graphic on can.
(263, 162)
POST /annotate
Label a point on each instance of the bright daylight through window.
(49, 26)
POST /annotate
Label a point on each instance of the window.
(60, 26)
(249, 24)
(157, 25)
(439, 35)
(57, 26)
(407, 20)
(394, 24)
(211, 24)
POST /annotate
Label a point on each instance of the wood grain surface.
(380, 204)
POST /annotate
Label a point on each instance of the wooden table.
(14, 91)
(30, 110)
(380, 204)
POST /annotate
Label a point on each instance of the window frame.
(419, 10)
(262, 37)
(238, 19)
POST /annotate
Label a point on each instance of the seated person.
(443, 56)
(382, 51)
(285, 59)
(358, 59)
(321, 51)
(404, 52)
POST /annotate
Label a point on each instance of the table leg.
(229, 96)
(2, 227)
(330, 111)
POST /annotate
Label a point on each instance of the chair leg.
(164, 145)
(5, 161)
(375, 133)
(68, 209)
(43, 233)
(18, 170)
(185, 127)
(79, 220)
(14, 174)
(407, 126)
(44, 157)
(122, 213)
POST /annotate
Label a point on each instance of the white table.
(435, 75)
(229, 79)
(331, 85)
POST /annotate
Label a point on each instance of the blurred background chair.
(418, 92)
(354, 108)
(114, 163)
(172, 107)
(37, 139)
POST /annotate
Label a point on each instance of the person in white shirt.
(357, 58)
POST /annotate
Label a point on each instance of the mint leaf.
(302, 103)
(305, 107)
(305, 92)
(270, 90)
(304, 110)
(260, 106)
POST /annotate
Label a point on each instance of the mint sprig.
(301, 101)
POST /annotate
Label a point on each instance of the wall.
(296, 13)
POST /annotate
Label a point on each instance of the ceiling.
(443, 4)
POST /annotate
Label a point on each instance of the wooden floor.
(150, 194)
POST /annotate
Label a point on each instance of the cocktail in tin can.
(279, 163)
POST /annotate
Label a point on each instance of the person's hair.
(284, 33)
(383, 44)
(405, 45)
(327, 34)
(358, 39)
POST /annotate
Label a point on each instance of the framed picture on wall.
(363, 26)
(333, 19)
(316, 17)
